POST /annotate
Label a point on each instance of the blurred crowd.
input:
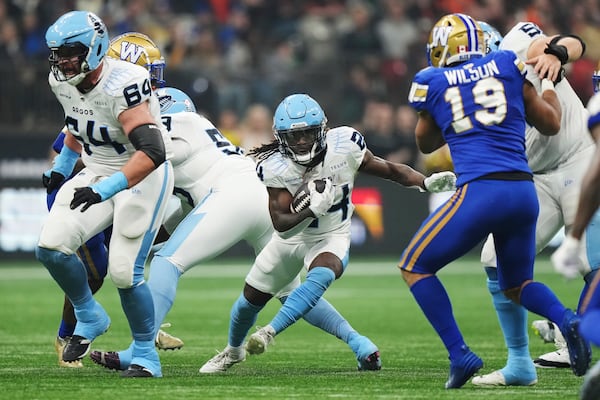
(238, 58)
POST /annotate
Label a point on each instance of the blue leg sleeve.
(303, 298)
(139, 310)
(243, 317)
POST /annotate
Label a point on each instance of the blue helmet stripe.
(471, 31)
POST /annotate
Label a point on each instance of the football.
(301, 198)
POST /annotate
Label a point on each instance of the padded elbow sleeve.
(148, 139)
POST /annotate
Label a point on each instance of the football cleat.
(137, 371)
(580, 352)
(462, 370)
(76, 348)
(259, 340)
(545, 329)
(108, 359)
(224, 360)
(164, 341)
(554, 359)
(59, 345)
(497, 378)
(78, 345)
(371, 363)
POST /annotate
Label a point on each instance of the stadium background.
(237, 59)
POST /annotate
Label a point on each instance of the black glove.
(86, 196)
(53, 181)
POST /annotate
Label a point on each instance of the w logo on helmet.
(131, 52)
(440, 35)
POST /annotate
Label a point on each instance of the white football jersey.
(549, 152)
(93, 117)
(202, 157)
(345, 151)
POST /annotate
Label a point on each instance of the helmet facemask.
(68, 62)
(304, 144)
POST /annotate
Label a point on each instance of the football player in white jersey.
(228, 203)
(566, 259)
(113, 121)
(316, 237)
(558, 163)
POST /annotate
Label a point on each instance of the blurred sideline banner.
(386, 215)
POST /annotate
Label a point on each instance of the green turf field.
(303, 363)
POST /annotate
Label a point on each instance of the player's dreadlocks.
(265, 151)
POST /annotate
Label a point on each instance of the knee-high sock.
(433, 299)
(538, 298)
(303, 298)
(511, 316)
(243, 316)
(68, 271)
(139, 309)
(162, 281)
(325, 317)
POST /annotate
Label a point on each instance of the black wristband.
(557, 50)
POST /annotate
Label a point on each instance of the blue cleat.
(462, 370)
(580, 352)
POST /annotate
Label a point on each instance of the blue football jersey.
(480, 109)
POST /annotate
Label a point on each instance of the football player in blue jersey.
(566, 259)
(315, 237)
(553, 160)
(463, 100)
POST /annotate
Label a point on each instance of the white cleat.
(497, 378)
(164, 341)
(224, 360)
(259, 340)
(546, 330)
(554, 359)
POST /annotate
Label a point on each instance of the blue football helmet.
(174, 101)
(491, 36)
(455, 38)
(596, 79)
(78, 42)
(299, 125)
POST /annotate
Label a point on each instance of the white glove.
(566, 259)
(440, 182)
(321, 202)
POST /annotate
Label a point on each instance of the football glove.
(320, 202)
(440, 182)
(86, 196)
(566, 259)
(52, 180)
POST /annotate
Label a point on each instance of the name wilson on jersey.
(469, 73)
